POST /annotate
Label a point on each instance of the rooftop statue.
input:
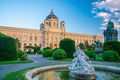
(110, 25)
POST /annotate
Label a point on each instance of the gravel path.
(40, 61)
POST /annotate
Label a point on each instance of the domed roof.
(51, 15)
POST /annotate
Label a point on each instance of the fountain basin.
(35, 71)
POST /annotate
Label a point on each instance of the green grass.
(65, 59)
(15, 62)
(18, 75)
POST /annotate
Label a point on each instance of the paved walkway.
(40, 61)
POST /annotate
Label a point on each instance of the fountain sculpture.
(81, 67)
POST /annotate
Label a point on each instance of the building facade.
(49, 35)
(110, 33)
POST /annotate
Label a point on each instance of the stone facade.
(49, 35)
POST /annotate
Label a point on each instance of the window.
(35, 38)
(30, 38)
(49, 24)
(30, 44)
(24, 44)
(54, 23)
(62, 24)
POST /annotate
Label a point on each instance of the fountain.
(81, 68)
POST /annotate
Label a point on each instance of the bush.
(110, 55)
(90, 53)
(39, 52)
(47, 48)
(59, 54)
(8, 49)
(20, 53)
(23, 58)
(47, 53)
(55, 49)
(112, 45)
(68, 46)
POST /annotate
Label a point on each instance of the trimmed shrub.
(68, 45)
(112, 45)
(8, 49)
(23, 58)
(55, 49)
(110, 55)
(47, 48)
(89, 53)
(47, 53)
(39, 52)
(20, 53)
(59, 54)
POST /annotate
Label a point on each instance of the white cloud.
(112, 5)
(108, 10)
(116, 25)
(103, 15)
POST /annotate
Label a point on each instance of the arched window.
(24, 44)
(30, 38)
(49, 24)
(35, 44)
(30, 44)
(62, 24)
(35, 38)
(39, 45)
(54, 23)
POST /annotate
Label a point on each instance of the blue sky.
(31, 13)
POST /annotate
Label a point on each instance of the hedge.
(8, 49)
(68, 45)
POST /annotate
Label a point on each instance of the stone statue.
(80, 67)
(110, 25)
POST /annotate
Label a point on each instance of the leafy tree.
(81, 45)
(68, 45)
(36, 49)
(86, 44)
(29, 48)
(8, 49)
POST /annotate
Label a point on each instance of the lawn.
(15, 62)
(18, 75)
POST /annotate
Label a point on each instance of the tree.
(68, 45)
(81, 45)
(36, 49)
(86, 44)
(8, 49)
